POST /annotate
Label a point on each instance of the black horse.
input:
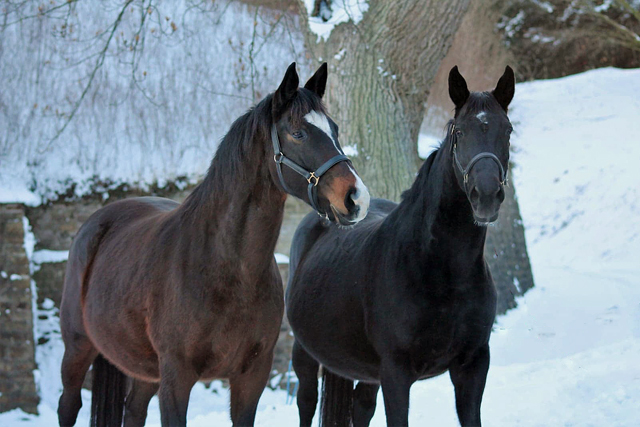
(406, 294)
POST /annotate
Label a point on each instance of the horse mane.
(234, 153)
(417, 188)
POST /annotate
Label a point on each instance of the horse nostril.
(349, 200)
(500, 194)
(474, 196)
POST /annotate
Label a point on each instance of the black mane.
(238, 145)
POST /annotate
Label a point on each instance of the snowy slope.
(203, 65)
(568, 355)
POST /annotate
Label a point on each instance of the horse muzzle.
(486, 197)
(354, 206)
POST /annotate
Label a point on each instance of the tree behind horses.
(406, 294)
(168, 294)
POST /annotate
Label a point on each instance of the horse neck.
(235, 214)
(437, 220)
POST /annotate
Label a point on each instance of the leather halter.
(313, 178)
(484, 155)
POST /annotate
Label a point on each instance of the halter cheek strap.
(484, 155)
(313, 178)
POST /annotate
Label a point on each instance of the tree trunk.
(381, 72)
(506, 253)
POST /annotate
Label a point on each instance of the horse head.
(308, 160)
(479, 136)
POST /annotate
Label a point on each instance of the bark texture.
(506, 253)
(382, 70)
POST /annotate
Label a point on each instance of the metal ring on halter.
(313, 176)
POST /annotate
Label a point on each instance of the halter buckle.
(313, 176)
(466, 178)
(278, 157)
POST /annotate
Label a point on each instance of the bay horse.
(169, 294)
(406, 294)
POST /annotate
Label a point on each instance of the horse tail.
(109, 387)
(336, 405)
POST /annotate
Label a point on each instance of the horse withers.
(406, 294)
(168, 294)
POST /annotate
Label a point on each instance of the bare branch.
(212, 92)
(270, 33)
(92, 76)
(617, 31)
(252, 65)
(629, 9)
(41, 13)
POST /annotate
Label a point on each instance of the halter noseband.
(313, 178)
(484, 155)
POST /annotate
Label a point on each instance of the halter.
(313, 178)
(484, 155)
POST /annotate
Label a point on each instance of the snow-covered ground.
(569, 354)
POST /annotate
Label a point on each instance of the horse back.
(87, 242)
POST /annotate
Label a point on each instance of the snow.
(15, 190)
(568, 354)
(604, 7)
(46, 255)
(341, 11)
(350, 150)
(427, 143)
(281, 258)
(513, 25)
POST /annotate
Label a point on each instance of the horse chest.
(239, 335)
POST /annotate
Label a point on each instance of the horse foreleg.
(468, 380)
(364, 403)
(137, 402)
(79, 353)
(306, 368)
(176, 381)
(396, 382)
(247, 388)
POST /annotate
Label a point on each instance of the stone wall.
(17, 350)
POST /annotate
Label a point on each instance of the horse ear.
(457, 88)
(287, 90)
(505, 89)
(318, 83)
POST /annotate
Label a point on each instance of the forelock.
(304, 103)
(480, 102)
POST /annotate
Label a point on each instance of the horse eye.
(458, 133)
(298, 134)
